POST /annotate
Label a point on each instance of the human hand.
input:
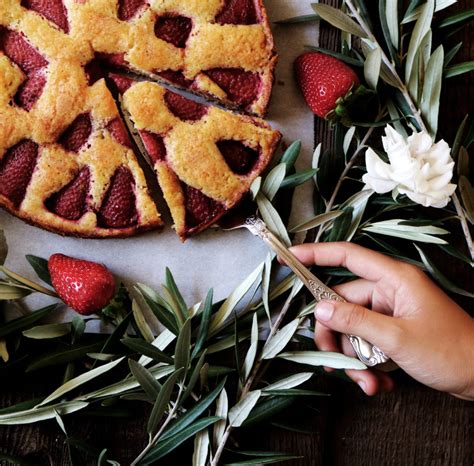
(417, 325)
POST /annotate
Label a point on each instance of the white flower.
(418, 168)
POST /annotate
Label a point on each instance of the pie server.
(369, 354)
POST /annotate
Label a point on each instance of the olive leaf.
(80, 380)
(43, 332)
(451, 53)
(323, 358)
(183, 347)
(63, 355)
(273, 180)
(421, 28)
(145, 378)
(205, 310)
(9, 291)
(234, 299)
(439, 277)
(228, 342)
(414, 13)
(22, 323)
(125, 385)
(192, 414)
(3, 247)
(240, 412)
(458, 69)
(430, 99)
(265, 460)
(268, 409)
(338, 19)
(278, 342)
(298, 19)
(4, 350)
(252, 351)
(194, 376)
(33, 415)
(289, 382)
(372, 66)
(467, 195)
(391, 16)
(320, 219)
(162, 341)
(267, 272)
(141, 322)
(162, 401)
(28, 283)
(297, 179)
(178, 298)
(159, 307)
(348, 138)
(140, 346)
(201, 448)
(291, 155)
(222, 410)
(397, 229)
(256, 186)
(166, 446)
(272, 219)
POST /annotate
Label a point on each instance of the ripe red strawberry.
(183, 108)
(30, 90)
(71, 201)
(241, 87)
(85, 286)
(174, 29)
(16, 170)
(77, 133)
(129, 8)
(119, 209)
(326, 82)
(54, 10)
(238, 12)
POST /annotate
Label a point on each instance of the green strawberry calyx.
(355, 97)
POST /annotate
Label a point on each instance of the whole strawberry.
(85, 286)
(327, 84)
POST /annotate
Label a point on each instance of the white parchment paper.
(213, 259)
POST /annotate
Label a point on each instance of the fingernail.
(324, 311)
(363, 386)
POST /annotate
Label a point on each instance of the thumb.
(381, 330)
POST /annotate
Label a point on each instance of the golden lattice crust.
(57, 167)
(67, 92)
(192, 153)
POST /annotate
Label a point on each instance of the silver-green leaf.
(323, 358)
(290, 382)
(372, 66)
(430, 99)
(80, 380)
(273, 181)
(240, 412)
(44, 332)
(338, 19)
(278, 342)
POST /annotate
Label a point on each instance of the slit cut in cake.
(205, 158)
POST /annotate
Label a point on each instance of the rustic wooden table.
(412, 426)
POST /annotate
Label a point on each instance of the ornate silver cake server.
(369, 354)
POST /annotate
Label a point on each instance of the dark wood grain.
(412, 426)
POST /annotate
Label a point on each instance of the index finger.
(361, 261)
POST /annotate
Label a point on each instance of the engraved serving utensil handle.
(369, 354)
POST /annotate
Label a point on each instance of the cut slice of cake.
(222, 49)
(80, 177)
(206, 158)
